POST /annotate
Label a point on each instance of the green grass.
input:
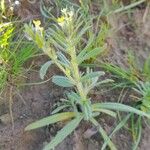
(15, 50)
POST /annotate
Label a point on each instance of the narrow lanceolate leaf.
(92, 75)
(106, 111)
(62, 81)
(50, 120)
(63, 58)
(104, 134)
(44, 69)
(58, 109)
(120, 107)
(63, 133)
(146, 68)
(91, 54)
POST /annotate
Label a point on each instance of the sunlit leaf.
(50, 120)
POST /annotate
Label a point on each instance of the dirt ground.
(36, 101)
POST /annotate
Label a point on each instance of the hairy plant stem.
(80, 89)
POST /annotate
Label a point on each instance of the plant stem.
(85, 103)
(76, 74)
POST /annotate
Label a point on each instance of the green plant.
(130, 76)
(64, 43)
(14, 52)
(144, 90)
(136, 78)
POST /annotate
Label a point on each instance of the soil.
(36, 101)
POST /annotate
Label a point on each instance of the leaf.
(96, 84)
(92, 75)
(62, 81)
(80, 34)
(108, 112)
(146, 68)
(90, 54)
(44, 69)
(139, 133)
(104, 134)
(39, 40)
(58, 109)
(120, 107)
(29, 31)
(63, 58)
(74, 97)
(50, 120)
(63, 133)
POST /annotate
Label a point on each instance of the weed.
(14, 52)
(65, 44)
(136, 78)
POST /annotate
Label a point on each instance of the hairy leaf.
(44, 69)
(63, 133)
(62, 81)
(50, 120)
(120, 107)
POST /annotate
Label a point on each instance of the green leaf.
(44, 69)
(50, 120)
(120, 107)
(104, 134)
(108, 112)
(92, 75)
(63, 59)
(74, 97)
(29, 31)
(63, 133)
(91, 54)
(39, 40)
(62, 81)
(146, 68)
(58, 109)
(138, 127)
(96, 84)
(80, 34)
